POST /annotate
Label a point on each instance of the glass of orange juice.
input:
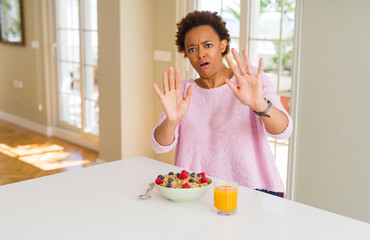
(225, 197)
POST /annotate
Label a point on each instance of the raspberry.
(204, 180)
(186, 185)
(184, 171)
(202, 174)
(158, 181)
(183, 175)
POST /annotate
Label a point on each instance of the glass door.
(272, 38)
(269, 33)
(77, 42)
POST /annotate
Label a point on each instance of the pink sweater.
(226, 139)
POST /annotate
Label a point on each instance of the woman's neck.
(216, 80)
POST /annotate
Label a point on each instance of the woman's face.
(204, 50)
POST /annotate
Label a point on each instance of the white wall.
(163, 39)
(26, 64)
(333, 151)
(110, 85)
(126, 74)
(137, 93)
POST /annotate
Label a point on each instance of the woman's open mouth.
(204, 65)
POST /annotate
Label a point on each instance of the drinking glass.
(225, 197)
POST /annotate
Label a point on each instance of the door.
(77, 94)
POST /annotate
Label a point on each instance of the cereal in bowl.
(182, 180)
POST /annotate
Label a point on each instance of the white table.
(101, 202)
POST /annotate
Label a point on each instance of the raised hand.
(172, 99)
(249, 86)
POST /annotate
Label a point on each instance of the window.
(229, 10)
(266, 29)
(77, 34)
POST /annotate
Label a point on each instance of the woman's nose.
(201, 53)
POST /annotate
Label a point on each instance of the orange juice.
(226, 197)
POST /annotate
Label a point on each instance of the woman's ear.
(223, 45)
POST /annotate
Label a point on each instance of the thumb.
(231, 85)
(188, 94)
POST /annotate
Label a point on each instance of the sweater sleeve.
(158, 148)
(269, 93)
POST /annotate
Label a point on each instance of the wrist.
(171, 123)
(260, 105)
(264, 113)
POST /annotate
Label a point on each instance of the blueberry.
(169, 185)
(199, 175)
(192, 174)
(160, 176)
(170, 173)
(170, 180)
(178, 174)
(192, 180)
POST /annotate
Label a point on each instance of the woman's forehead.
(200, 34)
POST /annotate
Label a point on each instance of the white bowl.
(184, 194)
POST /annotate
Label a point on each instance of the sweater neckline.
(216, 88)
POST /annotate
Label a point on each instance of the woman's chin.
(204, 73)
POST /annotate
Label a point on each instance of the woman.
(218, 122)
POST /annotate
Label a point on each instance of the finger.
(231, 85)
(247, 62)
(188, 94)
(232, 66)
(165, 82)
(259, 70)
(156, 88)
(239, 61)
(172, 80)
(234, 69)
(177, 78)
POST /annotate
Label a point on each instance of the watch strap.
(264, 113)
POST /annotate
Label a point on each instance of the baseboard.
(50, 131)
(75, 138)
(100, 161)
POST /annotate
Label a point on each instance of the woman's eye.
(209, 45)
(190, 50)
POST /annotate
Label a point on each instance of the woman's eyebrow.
(192, 44)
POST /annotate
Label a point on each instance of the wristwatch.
(264, 113)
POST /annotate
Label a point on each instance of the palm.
(173, 101)
(174, 105)
(248, 90)
(249, 86)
